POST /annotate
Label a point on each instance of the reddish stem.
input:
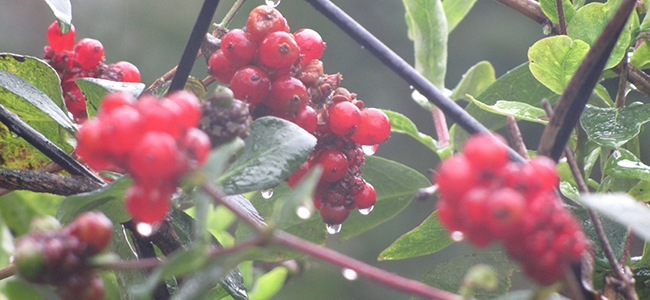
(440, 122)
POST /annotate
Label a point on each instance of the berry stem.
(193, 46)
(7, 271)
(402, 68)
(40, 142)
(440, 122)
(515, 136)
(231, 13)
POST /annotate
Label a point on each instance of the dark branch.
(42, 182)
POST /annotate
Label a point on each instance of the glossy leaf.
(274, 149)
(623, 209)
(553, 60)
(95, 89)
(641, 191)
(641, 56)
(616, 233)
(221, 157)
(520, 111)
(108, 199)
(475, 80)
(402, 124)
(450, 274)
(62, 10)
(18, 208)
(429, 237)
(427, 28)
(455, 11)
(613, 127)
(624, 164)
(269, 284)
(549, 7)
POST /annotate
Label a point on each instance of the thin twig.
(515, 136)
(7, 271)
(560, 16)
(622, 84)
(231, 13)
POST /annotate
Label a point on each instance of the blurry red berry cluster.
(81, 60)
(58, 256)
(488, 198)
(280, 74)
(153, 139)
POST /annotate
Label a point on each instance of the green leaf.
(274, 149)
(18, 208)
(121, 245)
(590, 20)
(549, 7)
(16, 288)
(300, 196)
(616, 233)
(269, 284)
(427, 27)
(613, 127)
(108, 199)
(402, 124)
(429, 237)
(215, 270)
(221, 157)
(475, 80)
(623, 209)
(624, 164)
(553, 60)
(641, 191)
(95, 89)
(450, 274)
(455, 11)
(519, 110)
(62, 10)
(528, 294)
(641, 56)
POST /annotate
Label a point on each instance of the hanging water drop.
(267, 194)
(457, 236)
(363, 47)
(144, 229)
(303, 212)
(349, 274)
(369, 149)
(333, 228)
(366, 211)
(411, 87)
(272, 3)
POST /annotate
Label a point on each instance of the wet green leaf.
(95, 89)
(274, 149)
(641, 56)
(553, 60)
(18, 208)
(474, 81)
(429, 237)
(62, 10)
(623, 209)
(623, 164)
(549, 7)
(613, 127)
(641, 191)
(269, 284)
(427, 27)
(108, 199)
(519, 110)
(402, 124)
(215, 270)
(455, 11)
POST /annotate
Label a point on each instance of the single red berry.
(238, 47)
(473, 207)
(94, 229)
(288, 94)
(196, 145)
(160, 114)
(89, 53)
(124, 129)
(310, 43)
(128, 71)
(91, 141)
(366, 197)
(116, 100)
(263, 20)
(278, 50)
(344, 117)
(190, 113)
(220, 67)
(335, 164)
(147, 204)
(332, 214)
(373, 129)
(455, 176)
(486, 152)
(505, 209)
(75, 101)
(155, 156)
(250, 84)
(307, 119)
(58, 40)
(546, 177)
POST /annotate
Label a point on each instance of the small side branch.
(42, 182)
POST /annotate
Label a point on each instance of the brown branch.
(7, 271)
(515, 135)
(43, 182)
(560, 16)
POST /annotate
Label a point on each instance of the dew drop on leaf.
(457, 236)
(303, 212)
(366, 211)
(333, 228)
(272, 3)
(349, 274)
(267, 194)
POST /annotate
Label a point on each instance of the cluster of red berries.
(280, 74)
(154, 139)
(58, 256)
(486, 197)
(81, 60)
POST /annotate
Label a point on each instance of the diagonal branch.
(43, 182)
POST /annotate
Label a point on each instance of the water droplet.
(366, 211)
(144, 229)
(349, 274)
(303, 212)
(369, 149)
(267, 194)
(333, 228)
(457, 236)
(272, 3)
(13, 135)
(363, 47)
(411, 87)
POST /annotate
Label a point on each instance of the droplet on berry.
(267, 193)
(366, 211)
(333, 228)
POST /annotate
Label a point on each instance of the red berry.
(148, 204)
(297, 175)
(344, 117)
(75, 101)
(190, 113)
(455, 176)
(307, 119)
(59, 41)
(94, 229)
(89, 53)
(124, 129)
(366, 197)
(251, 84)
(91, 143)
(129, 72)
(373, 129)
(263, 20)
(238, 47)
(485, 152)
(220, 67)
(505, 209)
(160, 114)
(116, 100)
(335, 164)
(278, 50)
(310, 43)
(546, 177)
(155, 156)
(196, 145)
(288, 94)
(333, 214)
